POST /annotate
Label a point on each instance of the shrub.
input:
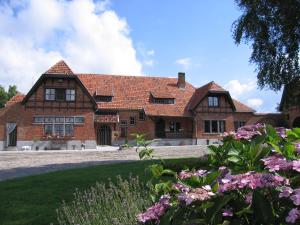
(114, 204)
(251, 178)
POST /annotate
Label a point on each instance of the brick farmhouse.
(66, 110)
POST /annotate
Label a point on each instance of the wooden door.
(104, 135)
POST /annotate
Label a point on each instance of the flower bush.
(251, 178)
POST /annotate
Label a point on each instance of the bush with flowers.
(253, 177)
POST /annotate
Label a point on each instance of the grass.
(34, 200)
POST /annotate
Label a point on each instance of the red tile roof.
(240, 107)
(60, 68)
(15, 99)
(133, 92)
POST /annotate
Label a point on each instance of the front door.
(160, 128)
(104, 135)
(12, 138)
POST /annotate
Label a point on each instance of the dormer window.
(59, 94)
(213, 101)
(103, 98)
(163, 100)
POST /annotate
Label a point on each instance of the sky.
(129, 37)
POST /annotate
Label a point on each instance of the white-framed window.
(39, 119)
(213, 101)
(123, 123)
(238, 124)
(214, 126)
(70, 95)
(69, 130)
(132, 120)
(50, 94)
(79, 120)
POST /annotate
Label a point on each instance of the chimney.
(181, 80)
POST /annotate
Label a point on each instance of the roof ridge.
(61, 67)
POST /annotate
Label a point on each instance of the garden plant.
(251, 178)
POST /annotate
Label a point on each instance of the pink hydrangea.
(281, 131)
(227, 213)
(156, 211)
(295, 197)
(297, 147)
(286, 192)
(249, 197)
(181, 187)
(249, 131)
(197, 194)
(296, 165)
(187, 174)
(251, 180)
(294, 214)
(277, 162)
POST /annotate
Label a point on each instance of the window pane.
(69, 130)
(50, 94)
(59, 129)
(48, 129)
(60, 94)
(123, 122)
(79, 119)
(214, 126)
(132, 120)
(216, 101)
(59, 120)
(141, 115)
(49, 119)
(207, 126)
(38, 119)
(70, 95)
(69, 119)
(210, 101)
(222, 126)
(123, 131)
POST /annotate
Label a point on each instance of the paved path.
(17, 164)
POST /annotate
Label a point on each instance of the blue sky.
(150, 37)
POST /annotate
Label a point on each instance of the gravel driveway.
(18, 164)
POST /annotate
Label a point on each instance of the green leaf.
(156, 170)
(220, 202)
(210, 178)
(233, 159)
(262, 209)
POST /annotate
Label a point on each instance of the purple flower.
(248, 199)
(295, 197)
(297, 147)
(281, 131)
(293, 216)
(286, 192)
(197, 194)
(187, 174)
(155, 211)
(249, 131)
(251, 180)
(296, 165)
(277, 162)
(181, 187)
(227, 213)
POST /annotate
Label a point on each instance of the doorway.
(12, 132)
(160, 128)
(296, 122)
(104, 135)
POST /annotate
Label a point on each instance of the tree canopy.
(273, 29)
(6, 95)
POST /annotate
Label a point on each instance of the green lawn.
(34, 199)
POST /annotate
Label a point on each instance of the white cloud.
(236, 88)
(88, 35)
(255, 102)
(148, 62)
(151, 52)
(184, 62)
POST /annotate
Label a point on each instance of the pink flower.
(227, 213)
(197, 194)
(249, 198)
(155, 211)
(295, 197)
(181, 187)
(276, 162)
(293, 216)
(281, 131)
(297, 147)
(296, 165)
(286, 192)
(187, 174)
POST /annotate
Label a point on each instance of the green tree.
(3, 97)
(273, 29)
(7, 95)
